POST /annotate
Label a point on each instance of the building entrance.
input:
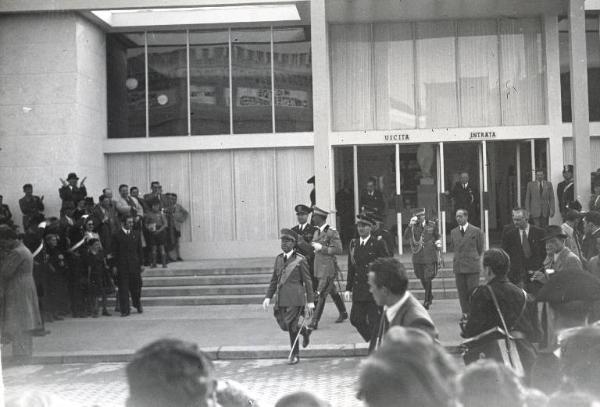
(486, 178)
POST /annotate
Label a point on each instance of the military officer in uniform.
(326, 244)
(292, 285)
(381, 233)
(305, 232)
(425, 245)
(565, 190)
(365, 313)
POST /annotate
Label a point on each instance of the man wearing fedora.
(365, 313)
(305, 232)
(71, 193)
(326, 243)
(425, 245)
(292, 285)
(558, 256)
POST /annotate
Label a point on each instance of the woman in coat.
(20, 314)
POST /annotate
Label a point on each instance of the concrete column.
(325, 191)
(579, 100)
(52, 104)
(553, 107)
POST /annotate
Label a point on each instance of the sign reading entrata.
(397, 137)
(482, 135)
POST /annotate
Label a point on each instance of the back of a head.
(232, 394)
(170, 372)
(300, 399)
(497, 260)
(410, 368)
(487, 383)
(580, 359)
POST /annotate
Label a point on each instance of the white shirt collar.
(526, 230)
(365, 240)
(464, 227)
(322, 228)
(301, 226)
(125, 231)
(288, 254)
(390, 312)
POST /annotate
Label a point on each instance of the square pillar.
(579, 100)
(324, 186)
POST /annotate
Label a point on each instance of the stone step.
(252, 299)
(254, 272)
(252, 289)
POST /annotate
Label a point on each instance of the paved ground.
(209, 326)
(103, 384)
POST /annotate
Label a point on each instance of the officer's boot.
(427, 285)
(153, 254)
(314, 322)
(339, 303)
(163, 258)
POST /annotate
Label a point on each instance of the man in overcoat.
(539, 199)
(71, 193)
(362, 251)
(467, 241)
(127, 257)
(292, 285)
(326, 244)
(20, 317)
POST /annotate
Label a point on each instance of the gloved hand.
(413, 220)
(438, 244)
(347, 295)
(317, 246)
(310, 307)
(266, 303)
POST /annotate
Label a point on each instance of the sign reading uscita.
(396, 137)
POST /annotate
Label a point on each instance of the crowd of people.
(90, 251)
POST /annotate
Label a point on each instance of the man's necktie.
(462, 231)
(525, 243)
(541, 188)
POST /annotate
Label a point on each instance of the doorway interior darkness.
(408, 176)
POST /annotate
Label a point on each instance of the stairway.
(242, 282)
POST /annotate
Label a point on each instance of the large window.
(461, 73)
(216, 82)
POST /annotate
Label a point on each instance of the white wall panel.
(255, 200)
(130, 169)
(594, 154)
(294, 167)
(172, 171)
(212, 196)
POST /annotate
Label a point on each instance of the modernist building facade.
(234, 113)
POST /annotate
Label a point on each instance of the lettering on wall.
(396, 137)
(478, 135)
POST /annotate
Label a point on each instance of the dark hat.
(418, 211)
(302, 209)
(71, 176)
(568, 168)
(365, 219)
(318, 211)
(554, 231)
(375, 216)
(311, 180)
(573, 214)
(288, 234)
(27, 186)
(592, 217)
(7, 233)
(89, 200)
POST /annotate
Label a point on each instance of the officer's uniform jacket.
(385, 236)
(359, 259)
(325, 263)
(303, 245)
(429, 231)
(291, 282)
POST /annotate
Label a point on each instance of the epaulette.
(379, 237)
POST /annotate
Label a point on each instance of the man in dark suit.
(525, 247)
(466, 196)
(292, 284)
(539, 199)
(591, 222)
(362, 251)
(305, 232)
(372, 197)
(388, 282)
(467, 241)
(565, 190)
(30, 205)
(127, 255)
(155, 193)
(70, 193)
